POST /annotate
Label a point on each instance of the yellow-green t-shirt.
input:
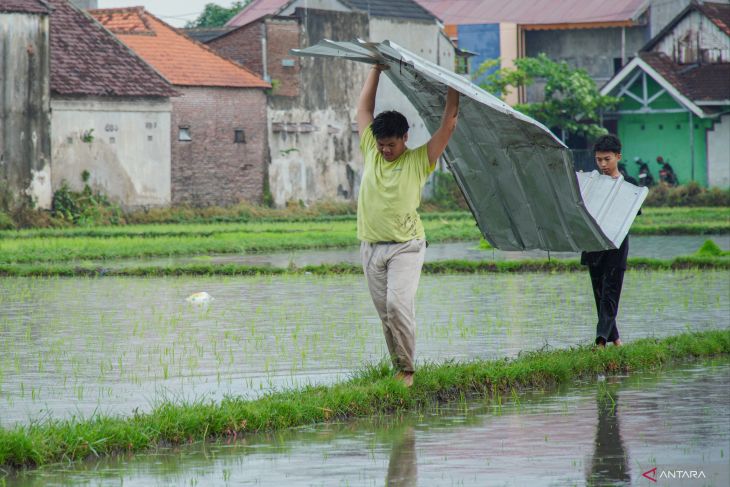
(390, 193)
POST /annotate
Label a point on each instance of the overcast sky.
(174, 12)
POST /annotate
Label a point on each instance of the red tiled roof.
(718, 13)
(87, 60)
(705, 82)
(462, 12)
(181, 60)
(24, 6)
(255, 10)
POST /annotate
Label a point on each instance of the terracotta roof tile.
(24, 6)
(88, 60)
(706, 82)
(183, 61)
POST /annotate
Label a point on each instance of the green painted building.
(675, 98)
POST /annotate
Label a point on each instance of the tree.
(214, 15)
(572, 101)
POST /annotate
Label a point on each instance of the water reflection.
(402, 466)
(567, 437)
(609, 465)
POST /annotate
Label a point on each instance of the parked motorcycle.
(666, 173)
(645, 177)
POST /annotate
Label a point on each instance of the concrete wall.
(591, 49)
(718, 153)
(212, 168)
(127, 148)
(424, 39)
(696, 39)
(661, 12)
(508, 52)
(314, 153)
(313, 146)
(25, 122)
(482, 39)
(666, 135)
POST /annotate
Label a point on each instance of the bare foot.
(405, 377)
(601, 343)
(617, 342)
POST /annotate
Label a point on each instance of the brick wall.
(212, 169)
(243, 46)
(281, 36)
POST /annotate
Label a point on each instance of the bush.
(690, 194)
(6, 223)
(711, 249)
(84, 208)
(446, 194)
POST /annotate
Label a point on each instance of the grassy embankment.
(135, 241)
(370, 392)
(441, 267)
(708, 256)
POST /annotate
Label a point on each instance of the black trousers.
(607, 282)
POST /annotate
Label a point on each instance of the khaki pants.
(392, 271)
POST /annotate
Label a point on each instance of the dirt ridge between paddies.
(437, 267)
(372, 391)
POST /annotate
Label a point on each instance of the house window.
(239, 136)
(183, 134)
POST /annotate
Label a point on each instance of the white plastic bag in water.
(201, 297)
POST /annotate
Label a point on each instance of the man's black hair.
(607, 143)
(389, 124)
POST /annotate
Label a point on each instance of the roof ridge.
(138, 9)
(210, 50)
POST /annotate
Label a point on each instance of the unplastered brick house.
(218, 127)
(313, 143)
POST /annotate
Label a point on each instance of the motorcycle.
(666, 173)
(645, 177)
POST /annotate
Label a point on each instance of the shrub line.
(371, 391)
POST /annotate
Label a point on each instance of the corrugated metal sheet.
(517, 177)
(613, 203)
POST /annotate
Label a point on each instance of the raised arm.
(440, 139)
(366, 103)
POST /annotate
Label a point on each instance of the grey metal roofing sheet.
(517, 177)
(397, 9)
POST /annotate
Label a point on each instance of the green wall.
(667, 135)
(662, 134)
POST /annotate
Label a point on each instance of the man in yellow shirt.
(393, 242)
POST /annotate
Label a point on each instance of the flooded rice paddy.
(76, 346)
(600, 433)
(656, 247)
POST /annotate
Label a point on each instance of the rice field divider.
(372, 392)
